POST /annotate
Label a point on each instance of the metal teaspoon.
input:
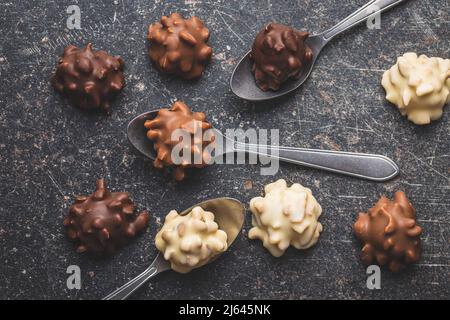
(243, 82)
(229, 214)
(365, 166)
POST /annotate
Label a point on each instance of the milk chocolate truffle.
(418, 86)
(89, 79)
(190, 241)
(178, 46)
(285, 216)
(278, 54)
(180, 120)
(389, 233)
(103, 221)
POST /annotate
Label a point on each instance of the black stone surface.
(50, 151)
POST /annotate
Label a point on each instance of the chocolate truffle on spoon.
(276, 54)
(279, 54)
(190, 241)
(191, 125)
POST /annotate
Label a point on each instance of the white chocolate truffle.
(418, 86)
(285, 216)
(190, 241)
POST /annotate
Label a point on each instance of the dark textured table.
(50, 151)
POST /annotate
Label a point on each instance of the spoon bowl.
(229, 214)
(137, 134)
(243, 82)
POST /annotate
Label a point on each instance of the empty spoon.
(229, 214)
(365, 166)
(243, 81)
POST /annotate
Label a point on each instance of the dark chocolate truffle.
(178, 46)
(89, 79)
(160, 131)
(278, 54)
(389, 233)
(104, 221)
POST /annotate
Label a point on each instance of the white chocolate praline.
(285, 216)
(418, 86)
(190, 241)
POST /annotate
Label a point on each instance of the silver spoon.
(229, 214)
(365, 166)
(243, 81)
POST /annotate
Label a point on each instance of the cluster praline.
(179, 46)
(103, 221)
(279, 53)
(89, 79)
(389, 233)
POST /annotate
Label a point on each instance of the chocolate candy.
(178, 46)
(419, 86)
(190, 241)
(278, 54)
(89, 79)
(192, 124)
(389, 233)
(285, 216)
(103, 221)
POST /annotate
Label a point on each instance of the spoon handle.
(130, 287)
(360, 15)
(366, 166)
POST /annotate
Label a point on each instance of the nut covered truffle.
(103, 221)
(389, 233)
(89, 79)
(190, 241)
(179, 46)
(285, 216)
(181, 120)
(278, 54)
(418, 86)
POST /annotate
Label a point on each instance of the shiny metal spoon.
(243, 82)
(229, 214)
(365, 166)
